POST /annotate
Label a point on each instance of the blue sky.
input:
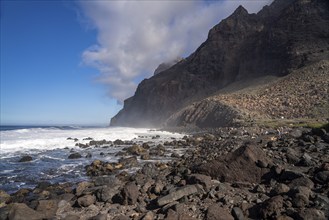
(72, 62)
(43, 80)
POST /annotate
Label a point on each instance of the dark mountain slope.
(282, 37)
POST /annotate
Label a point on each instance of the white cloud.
(134, 37)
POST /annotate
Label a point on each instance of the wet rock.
(201, 179)
(43, 185)
(129, 161)
(98, 143)
(156, 137)
(99, 168)
(74, 156)
(25, 159)
(159, 150)
(179, 193)
(48, 208)
(145, 156)
(86, 200)
(83, 146)
(135, 150)
(130, 194)
(22, 211)
(175, 155)
(118, 142)
(272, 207)
(216, 212)
(20, 195)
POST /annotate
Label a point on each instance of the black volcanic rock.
(284, 36)
(166, 65)
(25, 158)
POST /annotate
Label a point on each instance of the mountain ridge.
(282, 37)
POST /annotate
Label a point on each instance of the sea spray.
(50, 147)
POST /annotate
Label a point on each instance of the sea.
(50, 146)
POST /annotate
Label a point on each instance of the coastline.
(229, 172)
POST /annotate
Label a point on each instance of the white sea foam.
(42, 139)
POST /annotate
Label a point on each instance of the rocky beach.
(225, 173)
(248, 116)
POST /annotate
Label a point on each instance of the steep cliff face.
(166, 65)
(283, 36)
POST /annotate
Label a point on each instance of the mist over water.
(50, 147)
(34, 139)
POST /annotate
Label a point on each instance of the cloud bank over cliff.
(134, 37)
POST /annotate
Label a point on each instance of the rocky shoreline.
(228, 173)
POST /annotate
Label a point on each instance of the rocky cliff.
(282, 37)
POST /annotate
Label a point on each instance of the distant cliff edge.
(247, 68)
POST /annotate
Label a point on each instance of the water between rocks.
(50, 148)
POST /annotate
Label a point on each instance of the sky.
(74, 62)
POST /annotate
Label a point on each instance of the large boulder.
(240, 166)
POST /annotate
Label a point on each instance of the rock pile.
(236, 173)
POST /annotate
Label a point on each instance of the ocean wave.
(44, 139)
